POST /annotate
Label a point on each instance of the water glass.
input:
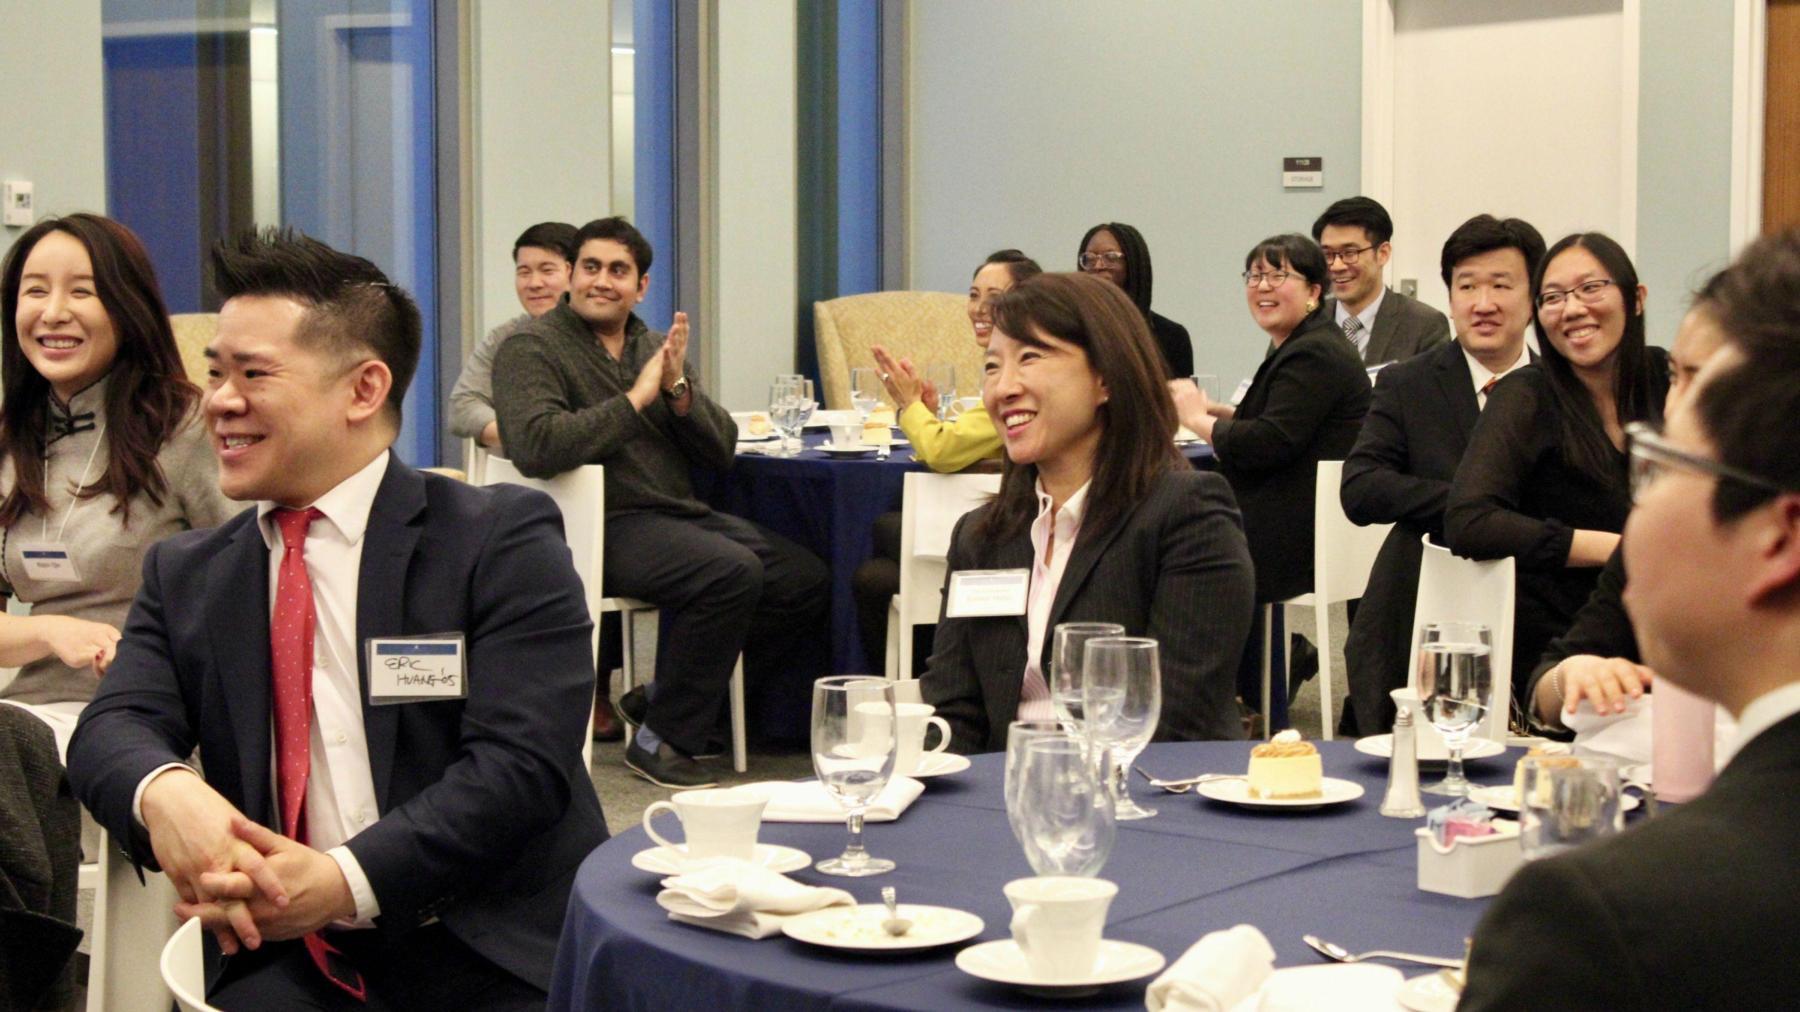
(1456, 683)
(942, 376)
(1122, 684)
(1067, 643)
(865, 390)
(791, 403)
(853, 745)
(1018, 734)
(1566, 801)
(1065, 812)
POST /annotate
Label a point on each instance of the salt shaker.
(1402, 800)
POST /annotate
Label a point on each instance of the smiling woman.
(96, 408)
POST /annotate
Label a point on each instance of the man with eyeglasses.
(1385, 325)
(1695, 908)
(1418, 426)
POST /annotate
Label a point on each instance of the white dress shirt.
(1480, 374)
(1764, 712)
(1052, 540)
(1367, 316)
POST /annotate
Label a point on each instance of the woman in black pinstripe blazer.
(1108, 520)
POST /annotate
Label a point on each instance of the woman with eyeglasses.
(1545, 477)
(1305, 404)
(1117, 253)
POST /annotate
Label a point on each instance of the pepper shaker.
(1402, 800)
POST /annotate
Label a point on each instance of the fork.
(1186, 784)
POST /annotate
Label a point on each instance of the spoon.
(894, 924)
(1336, 952)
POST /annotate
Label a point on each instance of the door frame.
(1749, 58)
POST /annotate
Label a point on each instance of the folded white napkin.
(741, 897)
(806, 801)
(1360, 987)
(1215, 974)
(1627, 735)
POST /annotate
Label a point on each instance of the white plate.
(665, 861)
(767, 437)
(1430, 749)
(859, 927)
(1505, 798)
(1430, 993)
(859, 450)
(1004, 962)
(937, 764)
(1332, 791)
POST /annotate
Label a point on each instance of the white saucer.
(767, 437)
(859, 927)
(1430, 993)
(1237, 792)
(664, 861)
(1004, 962)
(851, 451)
(937, 764)
(1431, 750)
(1505, 798)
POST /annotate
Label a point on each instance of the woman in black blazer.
(1117, 252)
(1544, 479)
(1106, 518)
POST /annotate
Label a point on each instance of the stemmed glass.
(1566, 801)
(942, 376)
(1122, 683)
(1019, 733)
(853, 740)
(790, 405)
(1067, 641)
(1063, 810)
(1456, 680)
(865, 390)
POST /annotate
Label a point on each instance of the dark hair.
(1485, 233)
(1138, 275)
(351, 306)
(148, 395)
(1361, 212)
(620, 231)
(1018, 265)
(1295, 252)
(1585, 446)
(1757, 300)
(555, 236)
(1138, 418)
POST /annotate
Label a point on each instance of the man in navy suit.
(1418, 425)
(386, 673)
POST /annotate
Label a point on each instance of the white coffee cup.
(915, 719)
(1057, 921)
(1426, 736)
(846, 435)
(717, 822)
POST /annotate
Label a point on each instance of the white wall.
(53, 122)
(755, 247)
(542, 133)
(1030, 122)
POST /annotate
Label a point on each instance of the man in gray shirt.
(589, 383)
(542, 258)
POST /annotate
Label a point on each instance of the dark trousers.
(425, 969)
(724, 585)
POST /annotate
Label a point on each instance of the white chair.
(475, 458)
(581, 495)
(184, 968)
(1454, 589)
(1343, 555)
(930, 506)
(129, 917)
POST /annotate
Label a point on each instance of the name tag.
(50, 562)
(416, 668)
(1237, 396)
(982, 593)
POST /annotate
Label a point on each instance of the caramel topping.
(1283, 750)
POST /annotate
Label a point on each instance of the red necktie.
(1489, 385)
(291, 657)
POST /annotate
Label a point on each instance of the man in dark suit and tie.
(386, 673)
(1418, 425)
(1695, 909)
(1385, 325)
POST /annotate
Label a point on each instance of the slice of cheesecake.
(1286, 767)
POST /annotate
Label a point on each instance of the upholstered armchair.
(926, 327)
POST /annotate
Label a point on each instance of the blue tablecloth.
(1344, 873)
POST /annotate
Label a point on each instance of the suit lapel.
(395, 521)
(1381, 335)
(239, 586)
(1458, 389)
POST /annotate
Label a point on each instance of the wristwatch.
(679, 390)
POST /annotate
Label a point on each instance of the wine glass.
(1018, 733)
(1122, 683)
(865, 390)
(1065, 812)
(942, 375)
(1067, 641)
(804, 406)
(853, 740)
(1566, 801)
(1456, 681)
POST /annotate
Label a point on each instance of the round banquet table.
(1345, 873)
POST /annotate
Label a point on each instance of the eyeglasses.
(1346, 255)
(1651, 456)
(1274, 278)
(1589, 292)
(1100, 261)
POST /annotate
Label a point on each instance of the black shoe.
(667, 767)
(607, 726)
(1303, 664)
(633, 706)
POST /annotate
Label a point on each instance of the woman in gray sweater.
(102, 453)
